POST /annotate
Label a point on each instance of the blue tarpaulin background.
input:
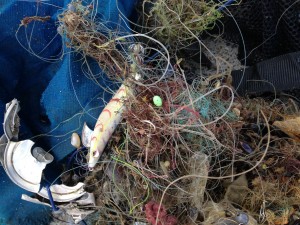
(54, 94)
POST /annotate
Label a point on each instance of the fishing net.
(269, 28)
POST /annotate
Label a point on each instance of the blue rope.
(54, 208)
(83, 222)
(73, 155)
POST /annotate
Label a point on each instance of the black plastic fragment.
(275, 75)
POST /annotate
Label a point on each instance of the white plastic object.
(78, 209)
(25, 165)
(75, 140)
(86, 135)
(3, 143)
(87, 199)
(22, 167)
(63, 193)
(33, 200)
(11, 120)
(77, 213)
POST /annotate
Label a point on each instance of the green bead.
(157, 101)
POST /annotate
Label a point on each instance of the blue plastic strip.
(222, 7)
(54, 208)
(83, 222)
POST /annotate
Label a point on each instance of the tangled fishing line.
(202, 155)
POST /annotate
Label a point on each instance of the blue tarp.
(55, 95)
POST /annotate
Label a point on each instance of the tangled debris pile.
(175, 22)
(199, 172)
(188, 150)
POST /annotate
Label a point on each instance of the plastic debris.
(157, 101)
(73, 212)
(86, 136)
(63, 193)
(11, 120)
(75, 140)
(76, 213)
(23, 165)
(224, 213)
(24, 168)
(290, 126)
(239, 218)
(34, 200)
(246, 147)
(237, 191)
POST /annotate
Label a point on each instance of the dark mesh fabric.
(271, 27)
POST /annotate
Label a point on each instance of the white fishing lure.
(106, 124)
